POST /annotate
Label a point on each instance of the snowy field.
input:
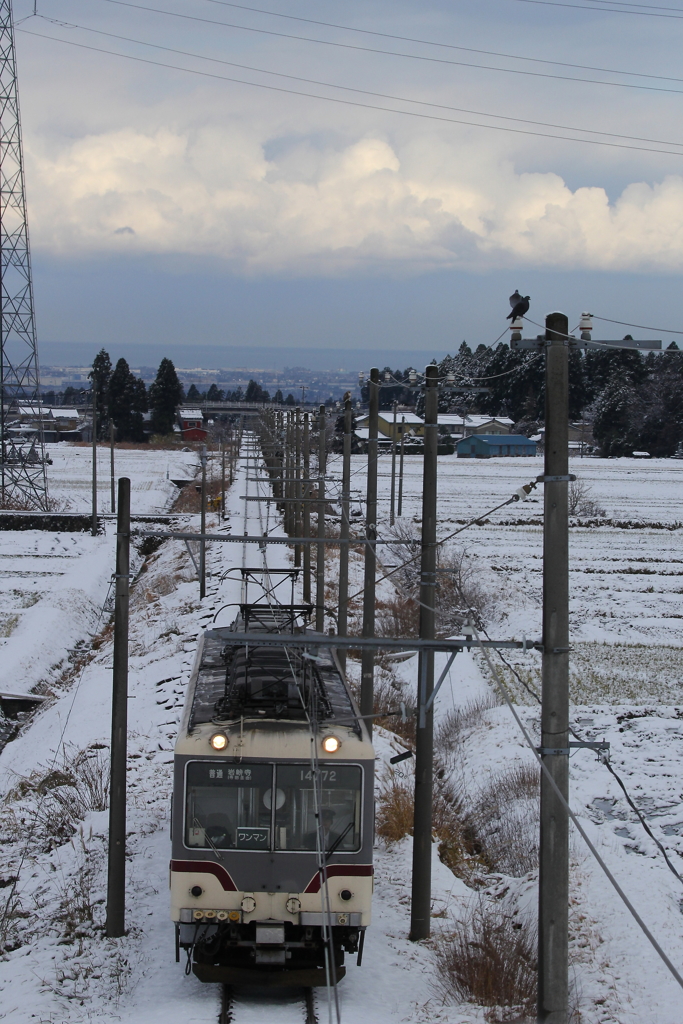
(626, 687)
(150, 473)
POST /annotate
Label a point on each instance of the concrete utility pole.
(116, 873)
(202, 543)
(392, 512)
(93, 525)
(344, 533)
(112, 474)
(307, 507)
(400, 468)
(367, 672)
(421, 903)
(554, 839)
(320, 556)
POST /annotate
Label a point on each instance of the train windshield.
(339, 804)
(232, 807)
(227, 806)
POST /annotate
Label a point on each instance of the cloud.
(336, 208)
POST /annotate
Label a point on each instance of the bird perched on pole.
(520, 305)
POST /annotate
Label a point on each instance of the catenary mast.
(22, 460)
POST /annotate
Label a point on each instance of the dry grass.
(395, 812)
(504, 816)
(490, 959)
(53, 801)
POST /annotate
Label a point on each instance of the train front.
(272, 822)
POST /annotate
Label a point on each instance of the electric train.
(273, 813)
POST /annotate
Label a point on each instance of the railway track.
(249, 1006)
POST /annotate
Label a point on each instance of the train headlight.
(331, 744)
(219, 741)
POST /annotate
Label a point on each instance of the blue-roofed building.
(487, 446)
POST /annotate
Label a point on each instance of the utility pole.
(116, 868)
(307, 508)
(93, 525)
(320, 556)
(554, 838)
(400, 468)
(297, 486)
(344, 533)
(202, 543)
(392, 511)
(223, 479)
(112, 475)
(367, 672)
(420, 911)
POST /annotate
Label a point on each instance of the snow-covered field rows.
(63, 970)
(150, 472)
(53, 585)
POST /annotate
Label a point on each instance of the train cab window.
(340, 808)
(227, 806)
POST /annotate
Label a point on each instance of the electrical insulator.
(387, 375)
(450, 379)
(586, 326)
(361, 378)
(412, 376)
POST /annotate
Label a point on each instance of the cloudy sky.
(438, 172)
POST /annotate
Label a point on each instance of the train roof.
(233, 681)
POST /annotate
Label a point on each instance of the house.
(475, 423)
(192, 425)
(405, 422)
(486, 446)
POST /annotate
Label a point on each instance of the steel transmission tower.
(22, 460)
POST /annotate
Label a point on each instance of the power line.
(582, 832)
(346, 88)
(641, 327)
(603, 10)
(448, 46)
(348, 103)
(388, 53)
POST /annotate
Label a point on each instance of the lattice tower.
(23, 480)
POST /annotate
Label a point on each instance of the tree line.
(253, 393)
(633, 402)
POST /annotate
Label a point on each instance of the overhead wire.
(448, 46)
(582, 832)
(344, 102)
(606, 763)
(346, 88)
(641, 327)
(603, 10)
(387, 53)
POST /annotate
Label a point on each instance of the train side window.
(225, 806)
(339, 805)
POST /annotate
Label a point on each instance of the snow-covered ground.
(62, 969)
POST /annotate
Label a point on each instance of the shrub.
(490, 959)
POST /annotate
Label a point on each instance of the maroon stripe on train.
(208, 868)
(338, 869)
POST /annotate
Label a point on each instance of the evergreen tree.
(100, 375)
(613, 427)
(193, 394)
(278, 397)
(127, 402)
(255, 393)
(290, 400)
(165, 395)
(215, 394)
